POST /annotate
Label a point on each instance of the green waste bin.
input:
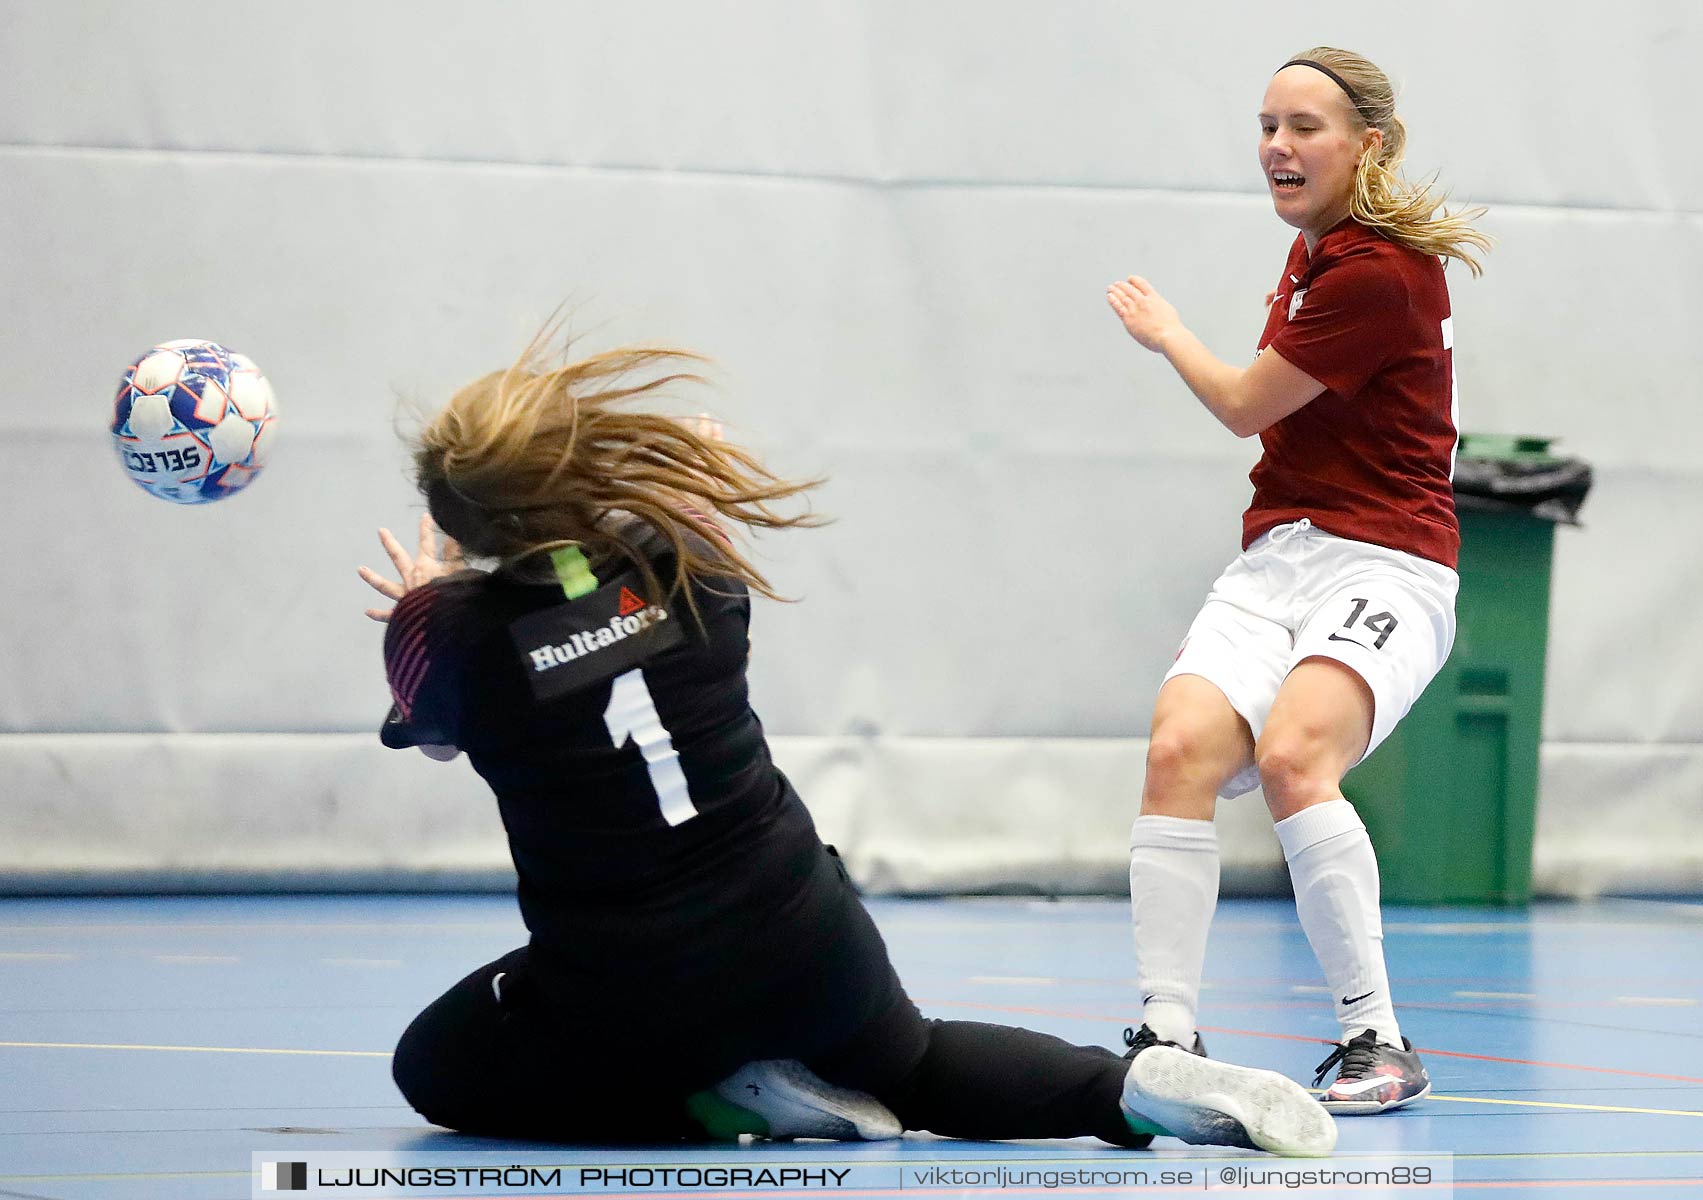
(1450, 798)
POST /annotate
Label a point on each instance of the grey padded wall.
(892, 224)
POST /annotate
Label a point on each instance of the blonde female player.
(1340, 609)
(699, 963)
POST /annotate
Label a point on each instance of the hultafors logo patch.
(283, 1177)
(592, 638)
(590, 641)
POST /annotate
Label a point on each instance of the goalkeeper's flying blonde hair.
(547, 454)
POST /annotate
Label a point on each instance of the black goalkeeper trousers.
(504, 1062)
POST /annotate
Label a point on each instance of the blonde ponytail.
(1408, 213)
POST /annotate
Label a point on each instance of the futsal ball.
(193, 421)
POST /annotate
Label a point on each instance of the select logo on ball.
(193, 421)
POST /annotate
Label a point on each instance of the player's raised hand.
(420, 568)
(1146, 314)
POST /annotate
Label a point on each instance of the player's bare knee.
(1295, 772)
(1183, 774)
(1168, 751)
(1178, 754)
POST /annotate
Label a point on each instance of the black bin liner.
(1520, 475)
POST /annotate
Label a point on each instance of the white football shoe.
(782, 1099)
(1208, 1103)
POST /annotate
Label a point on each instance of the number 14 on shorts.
(1383, 624)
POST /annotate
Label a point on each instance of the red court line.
(1312, 1041)
(1252, 982)
(943, 1190)
(1476, 1184)
(1156, 1189)
(1220, 1000)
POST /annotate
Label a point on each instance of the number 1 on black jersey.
(631, 717)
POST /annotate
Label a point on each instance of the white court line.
(1307, 989)
(190, 959)
(1496, 995)
(1670, 1001)
(271, 927)
(1011, 979)
(21, 956)
(362, 962)
(1608, 1108)
(1457, 928)
(193, 1049)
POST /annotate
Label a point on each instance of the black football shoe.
(1140, 1039)
(1372, 1076)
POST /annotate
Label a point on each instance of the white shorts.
(1299, 592)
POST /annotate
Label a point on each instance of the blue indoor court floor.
(150, 1047)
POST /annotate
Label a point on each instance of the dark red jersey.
(1371, 457)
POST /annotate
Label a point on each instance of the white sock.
(1173, 891)
(1335, 875)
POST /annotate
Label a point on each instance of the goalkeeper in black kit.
(699, 964)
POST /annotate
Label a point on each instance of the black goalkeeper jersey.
(654, 838)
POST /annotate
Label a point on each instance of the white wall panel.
(1619, 818)
(997, 448)
(1625, 654)
(892, 224)
(103, 812)
(1519, 103)
(1584, 327)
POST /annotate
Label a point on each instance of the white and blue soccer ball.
(193, 421)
